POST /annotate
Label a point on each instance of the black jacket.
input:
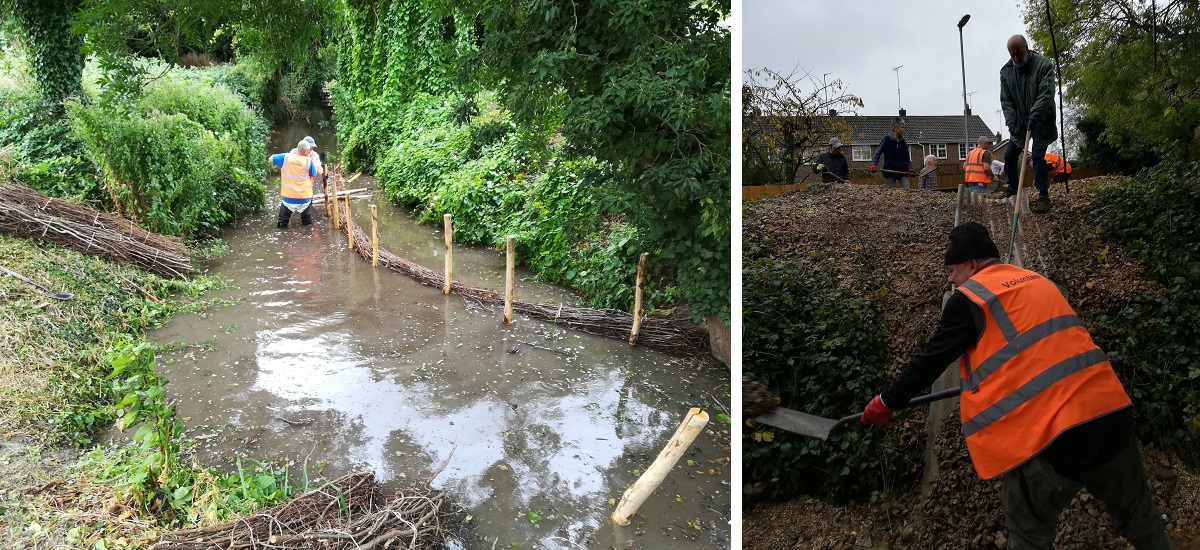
(835, 165)
(1080, 448)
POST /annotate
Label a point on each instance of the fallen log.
(321, 201)
(27, 213)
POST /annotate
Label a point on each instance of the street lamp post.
(966, 109)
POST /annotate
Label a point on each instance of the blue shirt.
(895, 153)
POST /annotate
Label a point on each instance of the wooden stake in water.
(637, 299)
(449, 253)
(509, 280)
(374, 236)
(637, 493)
(325, 189)
(337, 224)
(349, 224)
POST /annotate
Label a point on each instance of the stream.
(321, 361)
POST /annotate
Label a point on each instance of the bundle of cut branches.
(674, 335)
(29, 214)
(349, 512)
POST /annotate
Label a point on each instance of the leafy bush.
(822, 349)
(182, 160)
(1153, 340)
(490, 176)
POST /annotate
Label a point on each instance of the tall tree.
(643, 85)
(55, 52)
(1133, 67)
(784, 120)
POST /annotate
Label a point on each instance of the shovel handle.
(915, 402)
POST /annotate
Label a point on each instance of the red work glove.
(876, 412)
(912, 170)
(873, 168)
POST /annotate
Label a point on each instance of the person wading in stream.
(1042, 408)
(318, 159)
(295, 184)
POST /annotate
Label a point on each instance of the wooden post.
(337, 224)
(637, 493)
(374, 236)
(349, 224)
(449, 253)
(509, 279)
(325, 189)
(637, 299)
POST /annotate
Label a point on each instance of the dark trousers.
(285, 215)
(1034, 494)
(1041, 170)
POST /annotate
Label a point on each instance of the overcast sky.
(860, 41)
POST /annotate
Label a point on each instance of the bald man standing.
(1027, 97)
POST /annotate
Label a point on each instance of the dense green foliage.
(643, 86)
(821, 349)
(182, 160)
(55, 52)
(1154, 339)
(640, 89)
(477, 172)
(1132, 67)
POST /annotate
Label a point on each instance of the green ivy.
(55, 52)
(821, 348)
(1153, 338)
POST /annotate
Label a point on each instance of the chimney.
(833, 112)
(967, 111)
(903, 112)
(998, 136)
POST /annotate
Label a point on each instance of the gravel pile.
(899, 237)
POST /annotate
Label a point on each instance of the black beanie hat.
(970, 241)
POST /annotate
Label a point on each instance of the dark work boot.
(285, 215)
(1041, 205)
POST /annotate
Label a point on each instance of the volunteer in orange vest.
(1042, 409)
(296, 172)
(1059, 170)
(977, 170)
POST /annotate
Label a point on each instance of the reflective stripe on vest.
(294, 181)
(975, 170)
(1034, 372)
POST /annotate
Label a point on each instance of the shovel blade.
(797, 422)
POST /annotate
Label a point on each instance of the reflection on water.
(335, 365)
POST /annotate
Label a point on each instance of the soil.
(864, 233)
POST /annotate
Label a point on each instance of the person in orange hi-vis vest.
(1042, 409)
(296, 172)
(977, 170)
(1058, 170)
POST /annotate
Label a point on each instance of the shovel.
(56, 294)
(820, 427)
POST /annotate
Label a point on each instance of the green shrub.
(1153, 339)
(821, 348)
(492, 179)
(182, 159)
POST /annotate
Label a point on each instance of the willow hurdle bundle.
(26, 213)
(350, 512)
(677, 336)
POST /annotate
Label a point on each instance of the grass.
(57, 488)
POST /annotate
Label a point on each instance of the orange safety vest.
(975, 170)
(295, 183)
(1033, 374)
(1055, 164)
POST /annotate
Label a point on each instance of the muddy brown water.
(322, 361)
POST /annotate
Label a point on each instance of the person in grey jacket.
(1027, 97)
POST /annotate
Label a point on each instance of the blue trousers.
(1041, 170)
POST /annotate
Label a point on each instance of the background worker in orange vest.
(1058, 170)
(977, 170)
(296, 172)
(1041, 406)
